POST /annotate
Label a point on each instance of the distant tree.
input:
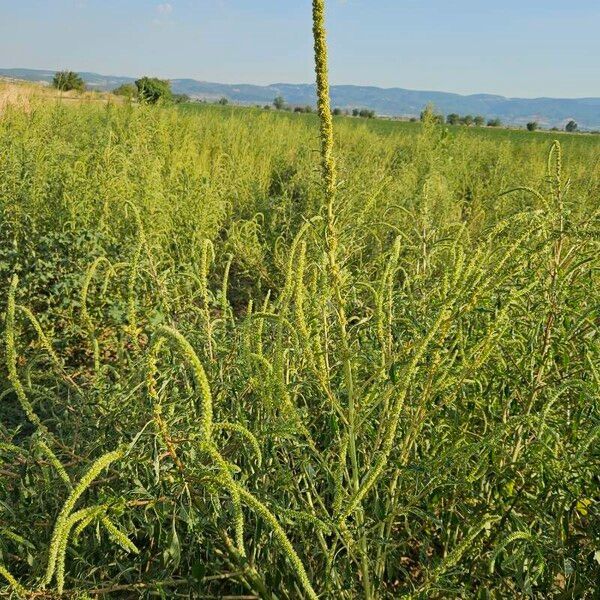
(223, 101)
(267, 107)
(68, 80)
(467, 120)
(355, 112)
(571, 126)
(279, 102)
(298, 109)
(336, 112)
(494, 122)
(181, 98)
(365, 113)
(151, 90)
(127, 90)
(532, 125)
(453, 119)
(308, 109)
(479, 121)
(413, 119)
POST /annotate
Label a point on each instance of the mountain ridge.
(392, 101)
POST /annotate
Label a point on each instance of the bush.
(66, 81)
(453, 119)
(532, 126)
(127, 90)
(151, 90)
(494, 122)
(571, 127)
(279, 102)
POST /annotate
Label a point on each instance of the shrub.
(151, 90)
(66, 81)
(532, 126)
(127, 90)
(181, 98)
(571, 127)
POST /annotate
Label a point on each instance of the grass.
(221, 378)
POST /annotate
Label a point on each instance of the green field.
(197, 401)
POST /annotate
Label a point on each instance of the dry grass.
(24, 94)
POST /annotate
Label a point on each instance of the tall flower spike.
(323, 102)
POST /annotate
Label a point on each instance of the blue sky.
(511, 47)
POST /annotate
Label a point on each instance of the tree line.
(151, 90)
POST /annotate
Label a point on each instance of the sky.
(517, 48)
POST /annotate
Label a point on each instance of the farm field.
(213, 388)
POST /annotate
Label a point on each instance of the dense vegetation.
(195, 402)
(65, 81)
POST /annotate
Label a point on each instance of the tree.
(279, 102)
(355, 112)
(223, 101)
(68, 80)
(127, 90)
(494, 122)
(571, 126)
(365, 113)
(337, 112)
(532, 126)
(453, 119)
(181, 98)
(479, 121)
(151, 90)
(467, 120)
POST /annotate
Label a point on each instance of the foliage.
(67, 81)
(453, 119)
(428, 114)
(151, 90)
(128, 90)
(222, 377)
(494, 122)
(181, 98)
(571, 127)
(532, 126)
(279, 102)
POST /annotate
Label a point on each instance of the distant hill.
(549, 112)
